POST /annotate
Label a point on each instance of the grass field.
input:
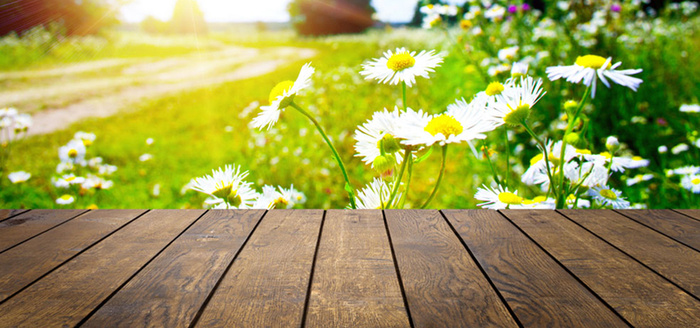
(197, 129)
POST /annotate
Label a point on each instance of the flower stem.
(403, 88)
(488, 159)
(406, 155)
(561, 198)
(505, 135)
(442, 173)
(335, 152)
(408, 182)
(546, 156)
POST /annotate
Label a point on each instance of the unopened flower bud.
(384, 163)
(612, 144)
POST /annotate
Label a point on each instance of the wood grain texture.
(8, 213)
(30, 260)
(24, 226)
(172, 288)
(676, 262)
(537, 288)
(639, 295)
(66, 296)
(670, 223)
(694, 213)
(267, 284)
(443, 285)
(355, 282)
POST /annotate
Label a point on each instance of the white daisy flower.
(691, 182)
(401, 66)
(685, 170)
(690, 108)
(519, 69)
(282, 96)
(662, 149)
(67, 180)
(461, 122)
(95, 182)
(19, 177)
(516, 102)
(537, 172)
(590, 67)
(106, 169)
(588, 174)
(149, 141)
(275, 198)
(85, 137)
(508, 54)
(375, 195)
(145, 157)
(679, 148)
(609, 197)
(379, 132)
(498, 198)
(22, 122)
(65, 200)
(495, 13)
(8, 112)
(619, 164)
(73, 152)
(538, 203)
(64, 166)
(227, 185)
(639, 178)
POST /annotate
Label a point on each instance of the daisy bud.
(612, 144)
(573, 139)
(518, 115)
(390, 144)
(570, 106)
(383, 163)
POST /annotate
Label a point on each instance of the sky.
(254, 10)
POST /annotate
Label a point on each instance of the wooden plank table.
(350, 268)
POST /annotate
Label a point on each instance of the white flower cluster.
(78, 175)
(227, 189)
(13, 126)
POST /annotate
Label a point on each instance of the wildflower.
(679, 148)
(498, 198)
(97, 183)
(590, 67)
(145, 157)
(22, 123)
(278, 198)
(691, 182)
(8, 112)
(662, 149)
(65, 200)
(639, 178)
(281, 96)
(461, 122)
(609, 197)
(537, 172)
(149, 141)
(508, 54)
(619, 164)
(377, 136)
(685, 170)
(106, 169)
(588, 174)
(401, 66)
(495, 13)
(85, 137)
(227, 186)
(517, 102)
(688, 108)
(19, 177)
(73, 152)
(375, 195)
(612, 144)
(518, 70)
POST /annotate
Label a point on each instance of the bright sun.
(214, 10)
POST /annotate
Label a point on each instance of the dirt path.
(107, 96)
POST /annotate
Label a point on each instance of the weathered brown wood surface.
(344, 268)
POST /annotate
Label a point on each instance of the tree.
(79, 17)
(323, 17)
(188, 18)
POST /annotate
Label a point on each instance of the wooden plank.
(443, 285)
(170, 290)
(355, 282)
(694, 213)
(27, 225)
(67, 295)
(670, 223)
(21, 265)
(676, 262)
(267, 284)
(8, 213)
(639, 295)
(537, 288)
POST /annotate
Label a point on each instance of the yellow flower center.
(280, 89)
(445, 124)
(592, 61)
(606, 155)
(281, 202)
(536, 159)
(400, 61)
(510, 198)
(66, 197)
(494, 88)
(222, 191)
(87, 142)
(465, 24)
(583, 151)
(637, 158)
(609, 194)
(92, 207)
(72, 153)
(535, 200)
(70, 179)
(695, 181)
